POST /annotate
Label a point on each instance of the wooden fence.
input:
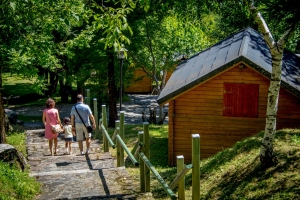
(143, 152)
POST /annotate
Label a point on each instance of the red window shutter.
(240, 100)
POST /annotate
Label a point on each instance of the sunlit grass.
(233, 173)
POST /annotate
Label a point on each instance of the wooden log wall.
(200, 110)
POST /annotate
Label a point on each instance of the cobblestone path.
(92, 176)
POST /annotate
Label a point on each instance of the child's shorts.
(68, 139)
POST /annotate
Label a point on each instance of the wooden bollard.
(97, 133)
(181, 184)
(147, 154)
(196, 167)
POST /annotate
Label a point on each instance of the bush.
(15, 184)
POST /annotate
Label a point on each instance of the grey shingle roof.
(246, 46)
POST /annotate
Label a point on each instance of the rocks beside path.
(92, 176)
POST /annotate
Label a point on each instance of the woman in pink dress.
(51, 116)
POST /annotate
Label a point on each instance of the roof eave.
(217, 71)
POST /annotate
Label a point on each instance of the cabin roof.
(247, 46)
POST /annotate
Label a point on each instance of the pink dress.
(51, 117)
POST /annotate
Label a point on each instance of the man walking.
(81, 116)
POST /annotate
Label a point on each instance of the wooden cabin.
(221, 94)
(141, 83)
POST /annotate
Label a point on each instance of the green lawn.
(16, 85)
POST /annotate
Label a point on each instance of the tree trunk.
(2, 118)
(113, 116)
(53, 83)
(80, 87)
(267, 157)
(64, 91)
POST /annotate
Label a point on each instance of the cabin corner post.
(104, 121)
(181, 184)
(196, 167)
(147, 154)
(171, 133)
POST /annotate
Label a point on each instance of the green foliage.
(17, 139)
(15, 184)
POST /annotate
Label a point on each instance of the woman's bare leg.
(55, 145)
(51, 146)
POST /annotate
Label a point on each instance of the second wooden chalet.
(221, 94)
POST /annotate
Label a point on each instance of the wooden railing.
(143, 152)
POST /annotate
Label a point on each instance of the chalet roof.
(246, 46)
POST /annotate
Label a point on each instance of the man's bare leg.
(80, 146)
(88, 143)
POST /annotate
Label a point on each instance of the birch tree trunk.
(267, 157)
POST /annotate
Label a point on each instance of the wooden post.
(147, 154)
(196, 167)
(117, 129)
(120, 150)
(104, 122)
(96, 118)
(142, 164)
(88, 99)
(181, 184)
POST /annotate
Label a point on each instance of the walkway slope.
(92, 176)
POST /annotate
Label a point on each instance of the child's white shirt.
(68, 131)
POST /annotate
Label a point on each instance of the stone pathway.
(92, 176)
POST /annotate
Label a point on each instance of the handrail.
(133, 160)
(107, 137)
(158, 177)
(113, 137)
(180, 176)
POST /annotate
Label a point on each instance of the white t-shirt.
(68, 131)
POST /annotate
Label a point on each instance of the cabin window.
(240, 100)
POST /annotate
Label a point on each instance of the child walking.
(68, 135)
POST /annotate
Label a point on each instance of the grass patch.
(16, 85)
(15, 184)
(233, 173)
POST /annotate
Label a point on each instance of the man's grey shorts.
(80, 130)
